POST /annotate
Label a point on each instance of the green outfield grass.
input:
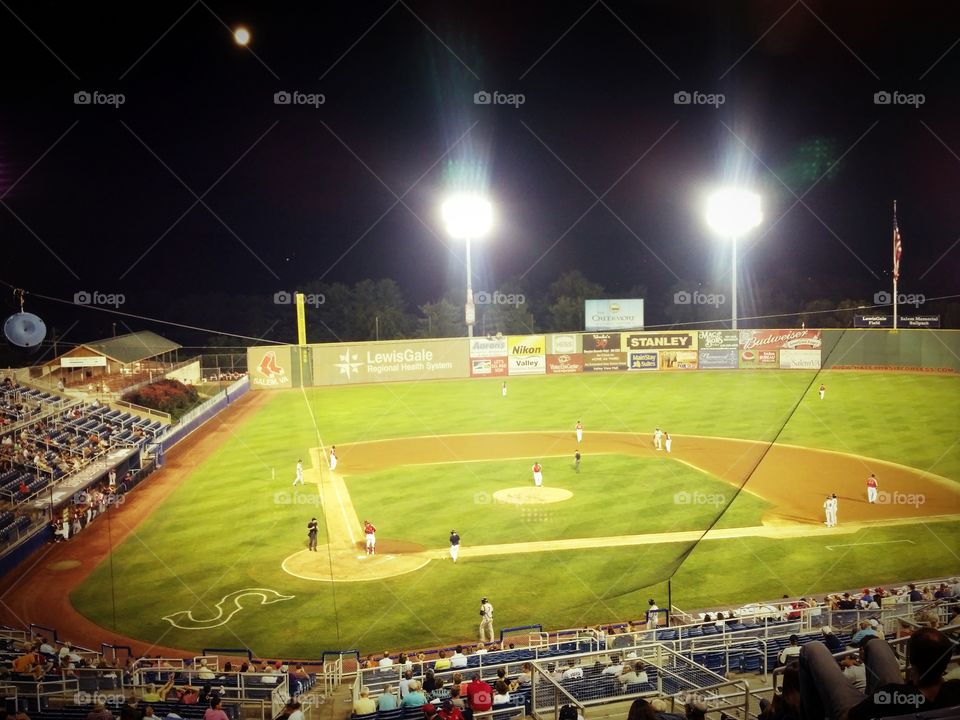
(649, 486)
(231, 523)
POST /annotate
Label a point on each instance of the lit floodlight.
(467, 216)
(241, 36)
(732, 212)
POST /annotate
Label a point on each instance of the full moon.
(241, 36)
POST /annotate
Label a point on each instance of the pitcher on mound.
(537, 474)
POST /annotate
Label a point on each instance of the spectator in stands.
(867, 627)
(640, 709)
(387, 700)
(942, 592)
(526, 674)
(439, 692)
(429, 681)
(458, 659)
(405, 682)
(442, 663)
(188, 695)
(831, 640)
(573, 672)
(414, 696)
(370, 662)
(695, 709)
(386, 660)
(785, 704)
(129, 711)
(854, 671)
(404, 662)
(364, 704)
(99, 712)
(430, 712)
(633, 674)
(449, 711)
(153, 695)
(847, 603)
(292, 711)
(205, 672)
(479, 694)
(501, 694)
(825, 691)
(455, 698)
(791, 651)
(149, 713)
(914, 595)
(615, 668)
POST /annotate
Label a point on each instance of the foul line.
(878, 542)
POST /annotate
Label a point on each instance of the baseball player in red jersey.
(371, 532)
(537, 474)
(872, 488)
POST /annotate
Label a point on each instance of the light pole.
(731, 213)
(467, 217)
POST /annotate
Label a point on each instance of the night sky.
(598, 170)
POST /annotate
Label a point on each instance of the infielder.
(333, 458)
(486, 620)
(833, 510)
(872, 488)
(371, 534)
(298, 480)
(658, 439)
(454, 545)
(537, 475)
(579, 432)
(826, 511)
(667, 440)
(823, 390)
(576, 461)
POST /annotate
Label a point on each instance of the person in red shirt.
(449, 711)
(479, 694)
(872, 488)
(537, 474)
(371, 533)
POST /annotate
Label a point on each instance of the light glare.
(467, 216)
(241, 36)
(732, 212)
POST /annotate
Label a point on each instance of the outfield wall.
(286, 366)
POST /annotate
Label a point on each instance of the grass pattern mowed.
(231, 522)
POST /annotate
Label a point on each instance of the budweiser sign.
(780, 339)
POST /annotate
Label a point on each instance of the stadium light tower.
(467, 217)
(731, 213)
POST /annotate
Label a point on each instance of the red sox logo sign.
(270, 370)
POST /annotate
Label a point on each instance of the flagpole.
(896, 269)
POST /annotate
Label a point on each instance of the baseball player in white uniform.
(658, 439)
(826, 511)
(823, 390)
(537, 474)
(454, 545)
(486, 620)
(333, 458)
(298, 480)
(833, 510)
(579, 431)
(667, 440)
(370, 532)
(503, 389)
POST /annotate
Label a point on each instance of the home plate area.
(531, 495)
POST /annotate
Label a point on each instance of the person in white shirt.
(458, 659)
(791, 651)
(501, 693)
(615, 667)
(486, 620)
(405, 683)
(386, 660)
(573, 672)
(855, 672)
(653, 615)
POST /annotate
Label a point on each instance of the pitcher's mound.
(532, 495)
(350, 564)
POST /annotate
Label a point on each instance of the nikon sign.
(600, 315)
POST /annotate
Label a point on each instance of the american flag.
(897, 249)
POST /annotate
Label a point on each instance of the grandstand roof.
(132, 348)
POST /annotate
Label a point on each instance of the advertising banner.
(678, 359)
(270, 367)
(343, 364)
(613, 314)
(906, 321)
(564, 364)
(567, 344)
(527, 364)
(76, 361)
(799, 359)
(715, 359)
(488, 347)
(660, 341)
(719, 339)
(643, 360)
(527, 354)
(602, 353)
(488, 367)
(761, 348)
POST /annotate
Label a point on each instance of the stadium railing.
(548, 695)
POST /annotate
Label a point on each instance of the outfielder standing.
(872, 488)
(658, 439)
(333, 458)
(579, 432)
(454, 545)
(371, 534)
(503, 389)
(826, 511)
(823, 390)
(833, 510)
(298, 480)
(486, 620)
(537, 474)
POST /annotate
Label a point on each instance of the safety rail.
(41, 691)
(730, 696)
(105, 647)
(548, 696)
